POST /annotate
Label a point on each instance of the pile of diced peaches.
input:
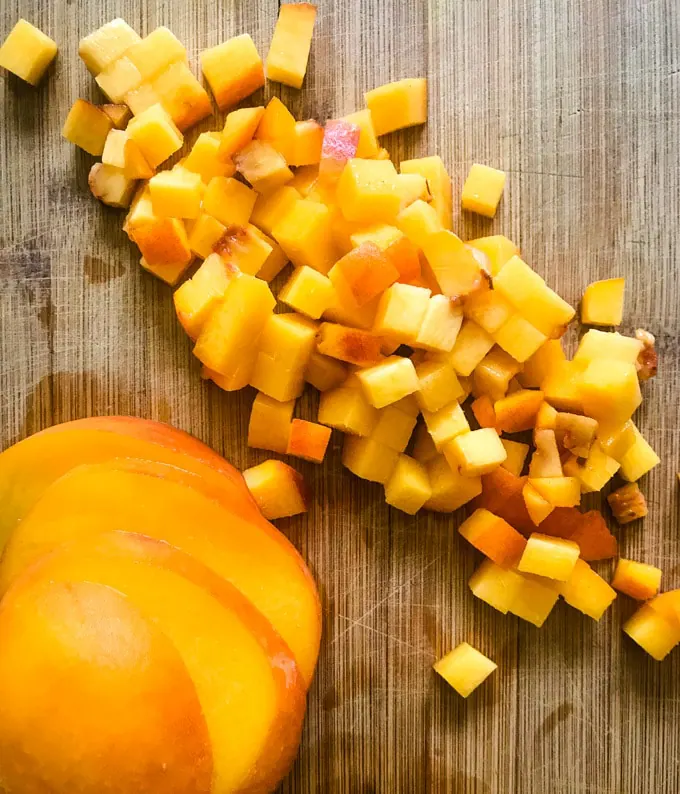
(429, 353)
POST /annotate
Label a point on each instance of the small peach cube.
(278, 490)
(394, 426)
(537, 506)
(389, 381)
(368, 144)
(198, 296)
(471, 346)
(445, 424)
(304, 233)
(162, 241)
(122, 152)
(176, 194)
(497, 248)
(553, 558)
(541, 364)
(654, 633)
(636, 579)
(278, 128)
(596, 344)
(289, 50)
(437, 385)
(261, 165)
(418, 222)
(535, 599)
(493, 536)
(182, 95)
(397, 105)
(119, 115)
(239, 129)
(465, 668)
(482, 190)
(229, 200)
(308, 440)
(110, 185)
(270, 421)
(118, 79)
(271, 208)
(204, 234)
(493, 374)
(307, 145)
(440, 326)
(562, 387)
(156, 135)
(610, 390)
(324, 373)
(497, 586)
(203, 158)
(245, 248)
(352, 345)
(87, 126)
(559, 491)
(401, 312)
(519, 338)
(517, 453)
(368, 190)
(454, 267)
(27, 52)
(155, 52)
(233, 70)
(587, 591)
(366, 271)
(409, 486)
(484, 412)
(106, 45)
(347, 409)
(477, 452)
(639, 459)
(517, 412)
(602, 302)
(489, 309)
(308, 291)
(438, 182)
(369, 459)
(450, 489)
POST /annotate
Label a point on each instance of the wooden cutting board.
(579, 101)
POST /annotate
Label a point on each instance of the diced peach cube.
(401, 311)
(595, 345)
(230, 201)
(450, 489)
(340, 142)
(162, 241)
(409, 486)
(27, 52)
(562, 387)
(482, 190)
(668, 605)
(497, 249)
(270, 422)
(397, 105)
(198, 296)
(349, 344)
(348, 410)
(275, 261)
(492, 375)
(541, 363)
(110, 185)
(484, 411)
(475, 453)
(489, 309)
(204, 233)
(389, 381)
(278, 489)
(454, 267)
(440, 325)
(118, 79)
(519, 338)
(233, 70)
(176, 194)
(654, 633)
(367, 190)
(289, 49)
(616, 441)
(182, 95)
(593, 473)
(438, 182)
(369, 459)
(471, 346)
(156, 52)
(497, 586)
(119, 115)
(394, 427)
(610, 390)
(639, 460)
(169, 273)
(203, 158)
(437, 385)
(366, 271)
(418, 222)
(308, 440)
(537, 506)
(122, 152)
(271, 208)
(261, 165)
(546, 418)
(306, 150)
(602, 302)
(308, 291)
(587, 591)
(553, 558)
(239, 129)
(324, 373)
(517, 412)
(424, 449)
(106, 45)
(445, 424)
(535, 599)
(87, 126)
(246, 248)
(636, 579)
(278, 128)
(559, 491)
(156, 135)
(627, 504)
(493, 536)
(516, 456)
(304, 233)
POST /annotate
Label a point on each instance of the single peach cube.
(493, 536)
(450, 489)
(156, 52)
(497, 586)
(453, 265)
(409, 486)
(477, 452)
(203, 158)
(537, 506)
(368, 459)
(497, 248)
(610, 390)
(535, 599)
(484, 412)
(541, 364)
(636, 579)
(304, 233)
(233, 70)
(546, 418)
(278, 127)
(471, 346)
(118, 79)
(306, 150)
(552, 558)
(437, 385)
(239, 129)
(587, 591)
(418, 222)
(87, 126)
(289, 50)
(182, 95)
(352, 345)
(269, 209)
(654, 633)
(177, 193)
(278, 490)
(440, 325)
(308, 440)
(602, 302)
(106, 45)
(339, 145)
(198, 296)
(639, 459)
(270, 423)
(308, 291)
(395, 106)
(368, 144)
(389, 381)
(348, 410)
(394, 427)
(438, 182)
(559, 491)
(519, 338)
(517, 412)
(668, 605)
(27, 52)
(482, 190)
(325, 373)
(401, 312)
(156, 135)
(245, 248)
(445, 424)
(562, 387)
(229, 200)
(261, 165)
(596, 344)
(366, 271)
(204, 233)
(465, 668)
(368, 190)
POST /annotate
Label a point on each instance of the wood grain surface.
(579, 101)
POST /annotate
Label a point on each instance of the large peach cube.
(233, 70)
(278, 127)
(366, 271)
(419, 221)
(271, 208)
(477, 452)
(397, 105)
(162, 241)
(368, 145)
(156, 134)
(553, 558)
(308, 440)
(440, 325)
(654, 633)
(118, 79)
(587, 591)
(204, 234)
(498, 250)
(439, 184)
(270, 421)
(639, 459)
(519, 338)
(450, 489)
(445, 424)
(497, 586)
(106, 45)
(156, 52)
(493, 536)
(182, 95)
(245, 248)
(278, 489)
(610, 390)
(369, 459)
(489, 309)
(401, 311)
(229, 200)
(454, 267)
(465, 668)
(203, 158)
(533, 299)
(261, 165)
(239, 129)
(409, 486)
(235, 324)
(324, 373)
(595, 345)
(110, 185)
(636, 579)
(482, 190)
(27, 52)
(176, 194)
(394, 426)
(389, 381)
(562, 387)
(87, 126)
(368, 190)
(307, 144)
(348, 410)
(471, 346)
(437, 385)
(602, 302)
(289, 49)
(535, 599)
(308, 291)
(304, 233)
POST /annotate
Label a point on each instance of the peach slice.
(94, 697)
(30, 466)
(245, 678)
(187, 512)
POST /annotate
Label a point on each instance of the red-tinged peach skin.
(94, 697)
(191, 514)
(340, 141)
(308, 440)
(352, 345)
(248, 685)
